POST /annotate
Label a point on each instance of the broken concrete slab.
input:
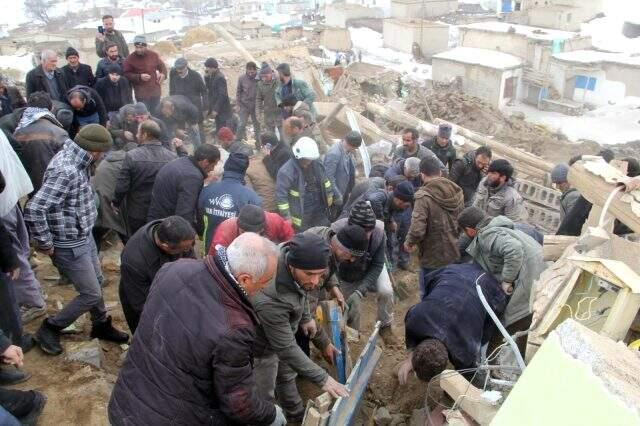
(86, 352)
(579, 377)
(382, 417)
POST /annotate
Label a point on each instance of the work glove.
(354, 301)
(280, 420)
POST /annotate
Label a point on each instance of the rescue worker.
(304, 193)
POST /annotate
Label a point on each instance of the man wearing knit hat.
(74, 72)
(252, 219)
(189, 83)
(364, 271)
(266, 105)
(223, 200)
(60, 217)
(218, 103)
(282, 307)
(442, 146)
(497, 194)
(569, 194)
(146, 71)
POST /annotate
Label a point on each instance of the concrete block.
(86, 352)
(579, 378)
(540, 194)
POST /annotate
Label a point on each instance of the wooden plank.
(623, 312)
(235, 43)
(340, 127)
(467, 397)
(595, 189)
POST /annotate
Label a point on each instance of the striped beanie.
(362, 215)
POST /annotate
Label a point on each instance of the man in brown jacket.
(434, 226)
(145, 71)
(259, 179)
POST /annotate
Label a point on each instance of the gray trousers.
(244, 119)
(384, 300)
(27, 287)
(275, 378)
(82, 266)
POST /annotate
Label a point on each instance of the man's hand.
(13, 355)
(115, 208)
(159, 77)
(405, 369)
(507, 288)
(410, 248)
(329, 353)
(128, 135)
(177, 143)
(338, 296)
(48, 252)
(632, 184)
(145, 77)
(309, 329)
(181, 134)
(211, 178)
(100, 36)
(14, 274)
(334, 388)
(393, 226)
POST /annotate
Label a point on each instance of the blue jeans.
(82, 266)
(7, 419)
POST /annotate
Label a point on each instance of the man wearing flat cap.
(283, 307)
(442, 146)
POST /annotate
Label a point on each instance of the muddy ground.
(78, 394)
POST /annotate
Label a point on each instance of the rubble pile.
(198, 35)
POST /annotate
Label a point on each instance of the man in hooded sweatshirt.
(434, 227)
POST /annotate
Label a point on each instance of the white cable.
(607, 204)
(498, 324)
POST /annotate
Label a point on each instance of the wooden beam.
(596, 190)
(235, 43)
(467, 397)
(340, 127)
(473, 139)
(555, 245)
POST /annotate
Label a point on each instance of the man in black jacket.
(114, 90)
(468, 171)
(113, 58)
(442, 146)
(192, 356)
(189, 83)
(88, 108)
(178, 185)
(139, 170)
(218, 97)
(181, 119)
(153, 245)
(75, 73)
(46, 77)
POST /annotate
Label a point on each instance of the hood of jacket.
(447, 194)
(469, 158)
(32, 114)
(499, 221)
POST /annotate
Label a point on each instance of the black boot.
(31, 418)
(106, 331)
(48, 336)
(27, 342)
(10, 375)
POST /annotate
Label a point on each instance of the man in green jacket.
(292, 86)
(511, 256)
(283, 308)
(266, 105)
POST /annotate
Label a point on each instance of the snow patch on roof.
(484, 57)
(595, 56)
(531, 32)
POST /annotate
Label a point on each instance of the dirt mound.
(198, 35)
(477, 115)
(165, 47)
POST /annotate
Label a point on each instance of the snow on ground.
(612, 124)
(371, 44)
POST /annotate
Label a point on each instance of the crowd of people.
(219, 334)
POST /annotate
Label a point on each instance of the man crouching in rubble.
(191, 359)
(450, 324)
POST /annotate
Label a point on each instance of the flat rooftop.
(484, 57)
(415, 23)
(593, 57)
(536, 33)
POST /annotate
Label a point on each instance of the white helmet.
(306, 148)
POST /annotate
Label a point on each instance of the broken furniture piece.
(329, 317)
(467, 397)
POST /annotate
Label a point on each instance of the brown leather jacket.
(434, 225)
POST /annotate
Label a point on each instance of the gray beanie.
(180, 63)
(559, 173)
(139, 39)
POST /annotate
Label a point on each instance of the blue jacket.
(290, 191)
(340, 169)
(397, 169)
(223, 200)
(451, 312)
